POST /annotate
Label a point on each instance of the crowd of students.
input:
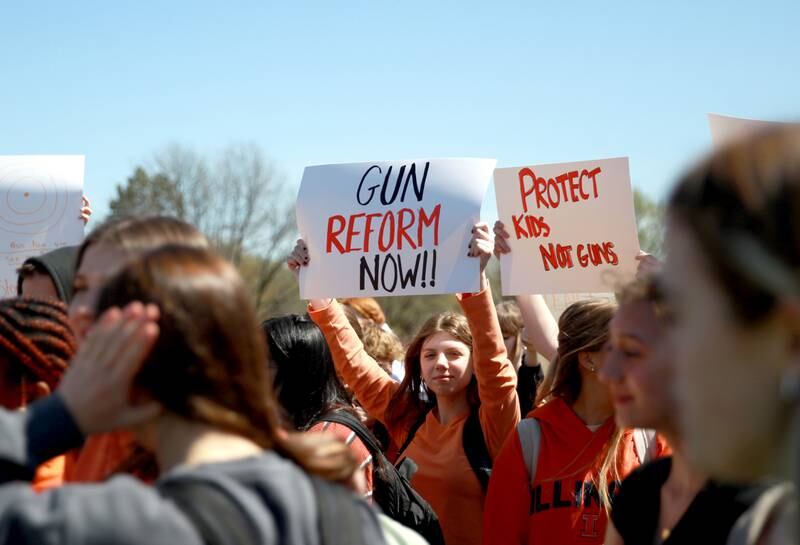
(143, 402)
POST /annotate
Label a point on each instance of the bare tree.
(237, 198)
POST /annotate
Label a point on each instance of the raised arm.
(371, 385)
(497, 380)
(541, 328)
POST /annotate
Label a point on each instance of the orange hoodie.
(444, 478)
(560, 504)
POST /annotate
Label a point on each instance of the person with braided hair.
(36, 345)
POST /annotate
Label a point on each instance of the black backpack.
(472, 441)
(392, 490)
(213, 514)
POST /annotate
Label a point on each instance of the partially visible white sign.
(40, 204)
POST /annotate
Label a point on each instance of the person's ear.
(586, 361)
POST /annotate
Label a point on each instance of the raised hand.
(500, 239)
(97, 386)
(481, 244)
(298, 258)
(86, 210)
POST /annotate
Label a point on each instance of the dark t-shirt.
(528, 380)
(708, 519)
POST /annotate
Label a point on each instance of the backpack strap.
(530, 437)
(211, 510)
(475, 448)
(644, 440)
(339, 522)
(352, 422)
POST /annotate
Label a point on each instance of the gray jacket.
(273, 492)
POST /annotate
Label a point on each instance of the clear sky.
(318, 82)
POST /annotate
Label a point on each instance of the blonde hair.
(511, 325)
(583, 327)
(381, 345)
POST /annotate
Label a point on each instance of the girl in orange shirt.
(557, 487)
(461, 368)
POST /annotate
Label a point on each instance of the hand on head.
(97, 386)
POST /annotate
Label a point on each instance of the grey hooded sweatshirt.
(275, 494)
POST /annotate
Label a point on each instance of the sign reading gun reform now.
(391, 227)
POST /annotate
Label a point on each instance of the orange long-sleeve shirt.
(99, 457)
(444, 478)
(560, 504)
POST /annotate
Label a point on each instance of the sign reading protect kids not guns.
(392, 227)
(572, 227)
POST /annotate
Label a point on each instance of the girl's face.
(727, 373)
(446, 364)
(99, 263)
(638, 370)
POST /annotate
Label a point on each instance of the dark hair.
(207, 364)
(742, 206)
(35, 337)
(408, 403)
(304, 375)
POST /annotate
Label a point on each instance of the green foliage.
(649, 223)
(236, 198)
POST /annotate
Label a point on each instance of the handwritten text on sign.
(391, 228)
(40, 203)
(572, 226)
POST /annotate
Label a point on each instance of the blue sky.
(319, 82)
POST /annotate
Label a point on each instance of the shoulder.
(644, 481)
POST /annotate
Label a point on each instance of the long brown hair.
(742, 206)
(408, 403)
(207, 364)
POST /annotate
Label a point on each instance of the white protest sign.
(391, 227)
(40, 205)
(572, 226)
(726, 129)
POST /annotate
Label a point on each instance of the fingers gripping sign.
(97, 386)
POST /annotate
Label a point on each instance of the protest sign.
(391, 227)
(40, 204)
(572, 226)
(726, 129)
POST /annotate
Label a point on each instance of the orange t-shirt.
(561, 503)
(444, 478)
(99, 457)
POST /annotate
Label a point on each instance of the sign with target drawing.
(40, 203)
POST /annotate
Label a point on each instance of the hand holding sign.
(480, 246)
(390, 228)
(571, 226)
